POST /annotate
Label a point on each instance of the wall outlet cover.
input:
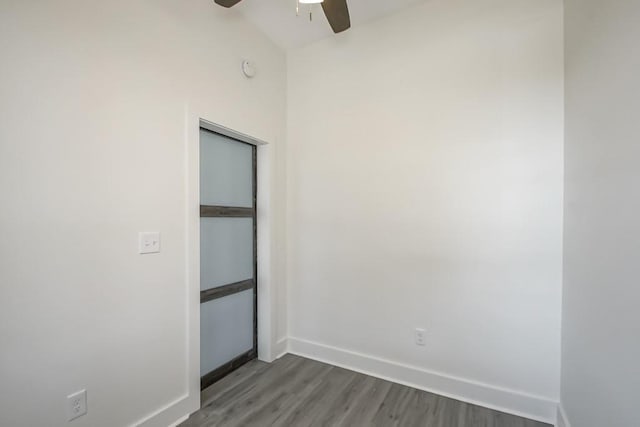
(420, 336)
(76, 404)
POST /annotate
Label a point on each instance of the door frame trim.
(195, 116)
(267, 314)
(223, 130)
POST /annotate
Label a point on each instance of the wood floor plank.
(335, 413)
(242, 402)
(450, 413)
(302, 389)
(481, 417)
(393, 406)
(298, 392)
(286, 396)
(260, 382)
(420, 409)
(313, 408)
(268, 412)
(368, 403)
(248, 371)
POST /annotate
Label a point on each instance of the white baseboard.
(501, 399)
(181, 408)
(180, 421)
(563, 420)
(281, 348)
(173, 413)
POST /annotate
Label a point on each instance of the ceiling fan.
(336, 11)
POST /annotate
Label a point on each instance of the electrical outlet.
(76, 404)
(420, 336)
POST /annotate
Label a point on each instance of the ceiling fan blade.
(227, 3)
(337, 14)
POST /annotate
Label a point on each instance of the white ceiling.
(278, 20)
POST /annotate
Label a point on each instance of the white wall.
(600, 338)
(92, 150)
(425, 176)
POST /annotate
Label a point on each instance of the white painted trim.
(223, 130)
(266, 292)
(179, 421)
(281, 348)
(266, 313)
(168, 413)
(189, 402)
(510, 401)
(563, 420)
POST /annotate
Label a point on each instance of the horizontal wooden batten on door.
(226, 212)
(226, 290)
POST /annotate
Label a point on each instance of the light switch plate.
(149, 242)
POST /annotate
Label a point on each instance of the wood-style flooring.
(298, 392)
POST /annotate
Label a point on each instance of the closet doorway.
(228, 255)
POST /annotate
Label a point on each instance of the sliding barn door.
(228, 291)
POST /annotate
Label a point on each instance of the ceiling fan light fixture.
(336, 11)
(310, 3)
